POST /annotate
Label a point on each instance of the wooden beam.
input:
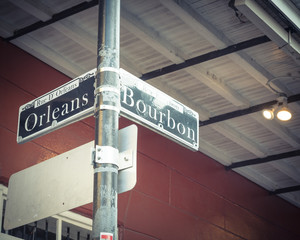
(77, 34)
(34, 8)
(264, 160)
(240, 139)
(44, 53)
(5, 28)
(287, 169)
(56, 17)
(218, 85)
(203, 113)
(279, 130)
(256, 177)
(285, 190)
(136, 26)
(215, 153)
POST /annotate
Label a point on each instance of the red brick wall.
(179, 194)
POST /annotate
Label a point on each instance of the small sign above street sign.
(64, 105)
(152, 108)
(140, 102)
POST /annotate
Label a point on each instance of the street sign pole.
(107, 108)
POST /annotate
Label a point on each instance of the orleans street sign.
(139, 102)
(64, 105)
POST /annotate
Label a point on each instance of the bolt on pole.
(107, 108)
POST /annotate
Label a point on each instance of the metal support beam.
(242, 112)
(206, 57)
(263, 160)
(56, 17)
(107, 108)
(285, 190)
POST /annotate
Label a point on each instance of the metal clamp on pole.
(106, 154)
(108, 94)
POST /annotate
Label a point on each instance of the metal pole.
(107, 108)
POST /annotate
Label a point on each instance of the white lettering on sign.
(33, 120)
(162, 117)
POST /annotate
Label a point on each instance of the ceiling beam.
(136, 26)
(89, 41)
(278, 130)
(42, 52)
(77, 34)
(218, 85)
(263, 160)
(287, 169)
(285, 190)
(242, 112)
(56, 17)
(256, 177)
(240, 139)
(34, 8)
(190, 17)
(206, 57)
(214, 152)
(5, 28)
(203, 113)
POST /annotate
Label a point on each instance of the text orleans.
(33, 120)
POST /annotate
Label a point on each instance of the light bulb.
(268, 113)
(284, 114)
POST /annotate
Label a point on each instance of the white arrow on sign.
(64, 182)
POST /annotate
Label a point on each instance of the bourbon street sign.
(149, 106)
(140, 102)
(64, 105)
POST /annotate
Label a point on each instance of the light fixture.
(281, 109)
